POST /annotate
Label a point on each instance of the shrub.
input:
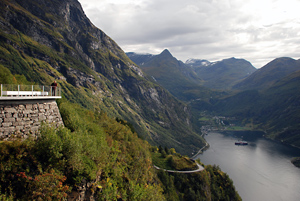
(46, 186)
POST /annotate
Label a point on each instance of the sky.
(256, 30)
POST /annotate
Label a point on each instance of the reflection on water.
(261, 171)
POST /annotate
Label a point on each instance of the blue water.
(261, 171)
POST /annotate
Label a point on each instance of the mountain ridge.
(172, 74)
(272, 108)
(220, 75)
(223, 74)
(269, 74)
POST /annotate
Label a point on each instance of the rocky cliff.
(46, 40)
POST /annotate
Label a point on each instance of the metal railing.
(10, 90)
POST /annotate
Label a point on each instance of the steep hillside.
(178, 78)
(269, 74)
(46, 40)
(283, 109)
(274, 110)
(222, 74)
(95, 157)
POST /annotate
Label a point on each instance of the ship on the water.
(241, 143)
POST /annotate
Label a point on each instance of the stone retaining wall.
(24, 117)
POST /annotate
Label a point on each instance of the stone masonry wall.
(24, 117)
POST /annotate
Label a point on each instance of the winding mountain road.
(200, 168)
(206, 145)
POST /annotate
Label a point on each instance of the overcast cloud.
(256, 30)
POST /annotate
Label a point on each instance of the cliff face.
(46, 40)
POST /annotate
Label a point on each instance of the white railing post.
(24, 90)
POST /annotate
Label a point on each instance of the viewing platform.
(23, 108)
(29, 92)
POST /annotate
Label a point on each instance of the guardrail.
(10, 90)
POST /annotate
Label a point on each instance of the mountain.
(269, 74)
(222, 74)
(274, 110)
(282, 109)
(45, 40)
(192, 79)
(172, 74)
(155, 65)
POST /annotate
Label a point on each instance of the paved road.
(206, 145)
(200, 168)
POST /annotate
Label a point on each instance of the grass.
(173, 161)
(160, 161)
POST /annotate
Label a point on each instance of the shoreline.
(200, 150)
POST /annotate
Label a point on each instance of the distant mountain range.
(172, 74)
(267, 97)
(222, 74)
(214, 75)
(165, 61)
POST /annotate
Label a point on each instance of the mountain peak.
(166, 52)
(269, 74)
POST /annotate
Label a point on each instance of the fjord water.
(261, 171)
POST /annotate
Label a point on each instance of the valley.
(125, 113)
(264, 99)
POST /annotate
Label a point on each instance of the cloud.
(256, 30)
